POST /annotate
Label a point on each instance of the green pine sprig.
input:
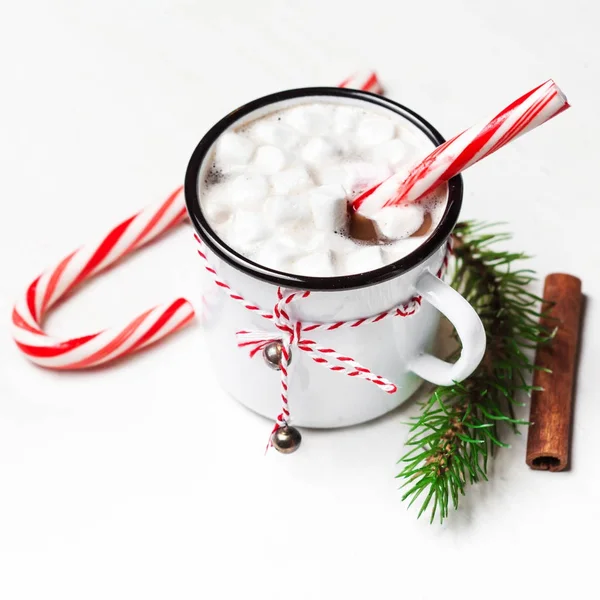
(457, 431)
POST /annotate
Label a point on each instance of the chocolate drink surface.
(279, 187)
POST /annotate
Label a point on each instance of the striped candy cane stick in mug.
(462, 151)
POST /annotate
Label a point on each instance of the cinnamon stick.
(552, 409)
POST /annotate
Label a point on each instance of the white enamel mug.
(396, 348)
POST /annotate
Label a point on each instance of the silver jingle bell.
(286, 439)
(273, 353)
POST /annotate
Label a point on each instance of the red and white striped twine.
(292, 333)
(154, 324)
(158, 322)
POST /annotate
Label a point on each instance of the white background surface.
(144, 480)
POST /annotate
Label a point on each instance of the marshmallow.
(275, 255)
(397, 250)
(344, 145)
(280, 186)
(316, 264)
(217, 207)
(329, 208)
(247, 191)
(344, 119)
(217, 213)
(354, 176)
(234, 149)
(372, 131)
(290, 180)
(398, 222)
(411, 138)
(247, 230)
(310, 120)
(268, 160)
(393, 153)
(363, 259)
(341, 244)
(276, 134)
(300, 237)
(286, 209)
(316, 151)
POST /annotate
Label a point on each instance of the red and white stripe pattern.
(292, 333)
(363, 80)
(528, 112)
(225, 286)
(55, 283)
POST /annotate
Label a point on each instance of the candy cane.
(79, 266)
(149, 327)
(529, 111)
(363, 80)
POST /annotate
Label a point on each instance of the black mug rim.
(290, 280)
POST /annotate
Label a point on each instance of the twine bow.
(291, 332)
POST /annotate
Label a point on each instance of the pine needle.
(456, 433)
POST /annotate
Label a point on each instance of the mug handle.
(468, 325)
